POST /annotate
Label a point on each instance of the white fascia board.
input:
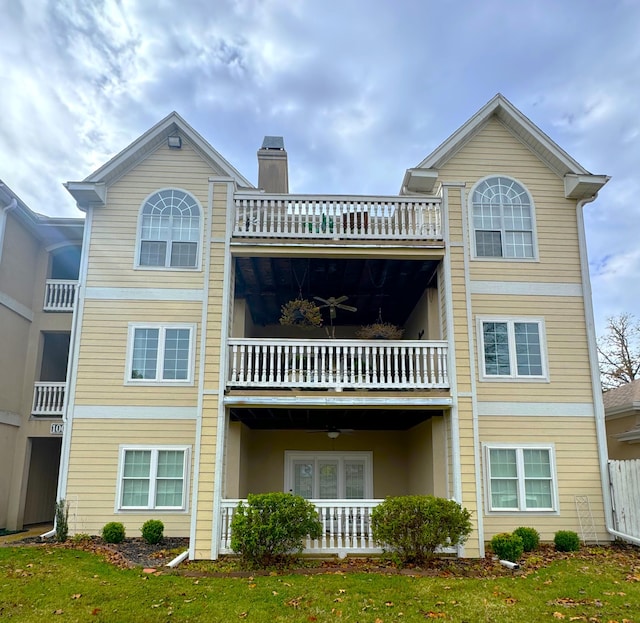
(150, 140)
(630, 436)
(583, 186)
(419, 180)
(510, 116)
(88, 194)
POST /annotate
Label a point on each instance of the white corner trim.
(14, 306)
(10, 419)
(144, 294)
(543, 409)
(103, 412)
(523, 288)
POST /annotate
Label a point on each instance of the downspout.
(3, 219)
(598, 405)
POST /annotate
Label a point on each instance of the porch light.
(174, 142)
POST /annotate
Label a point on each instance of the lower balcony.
(48, 398)
(346, 527)
(337, 364)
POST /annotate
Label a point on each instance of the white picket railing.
(624, 477)
(346, 526)
(48, 398)
(337, 217)
(338, 364)
(60, 295)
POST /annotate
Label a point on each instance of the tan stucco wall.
(620, 450)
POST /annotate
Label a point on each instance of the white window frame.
(472, 229)
(510, 321)
(153, 469)
(291, 457)
(162, 328)
(519, 447)
(167, 266)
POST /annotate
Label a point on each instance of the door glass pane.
(328, 481)
(354, 480)
(303, 479)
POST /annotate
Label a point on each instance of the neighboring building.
(186, 393)
(39, 262)
(622, 419)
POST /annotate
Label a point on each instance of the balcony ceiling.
(394, 286)
(325, 419)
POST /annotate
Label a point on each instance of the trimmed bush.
(272, 526)
(152, 531)
(62, 521)
(566, 541)
(530, 538)
(507, 546)
(414, 526)
(113, 532)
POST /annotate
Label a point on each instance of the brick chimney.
(273, 170)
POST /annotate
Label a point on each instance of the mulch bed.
(137, 553)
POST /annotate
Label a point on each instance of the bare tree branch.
(619, 351)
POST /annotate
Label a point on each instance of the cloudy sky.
(361, 90)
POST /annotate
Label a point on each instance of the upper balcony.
(60, 295)
(332, 217)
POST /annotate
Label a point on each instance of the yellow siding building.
(188, 390)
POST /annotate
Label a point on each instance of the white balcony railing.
(60, 295)
(48, 398)
(346, 526)
(336, 217)
(338, 364)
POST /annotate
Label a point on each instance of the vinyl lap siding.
(577, 468)
(93, 472)
(113, 234)
(103, 353)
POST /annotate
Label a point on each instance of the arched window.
(169, 230)
(502, 219)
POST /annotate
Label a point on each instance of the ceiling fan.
(334, 303)
(332, 432)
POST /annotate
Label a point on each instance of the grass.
(52, 583)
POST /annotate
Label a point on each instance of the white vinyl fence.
(624, 478)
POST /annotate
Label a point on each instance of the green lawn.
(50, 583)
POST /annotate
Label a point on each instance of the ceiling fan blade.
(340, 299)
(348, 308)
(319, 298)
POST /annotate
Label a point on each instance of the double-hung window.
(169, 233)
(512, 348)
(153, 478)
(520, 478)
(502, 219)
(160, 353)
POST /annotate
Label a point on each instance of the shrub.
(80, 538)
(566, 541)
(414, 526)
(507, 546)
(272, 526)
(113, 532)
(152, 531)
(530, 538)
(62, 521)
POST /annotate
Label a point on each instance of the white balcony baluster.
(48, 398)
(60, 295)
(336, 217)
(337, 364)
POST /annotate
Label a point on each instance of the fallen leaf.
(510, 600)
(274, 592)
(389, 604)
(59, 611)
(76, 596)
(243, 615)
(95, 611)
(558, 615)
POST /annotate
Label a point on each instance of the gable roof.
(579, 183)
(621, 399)
(91, 190)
